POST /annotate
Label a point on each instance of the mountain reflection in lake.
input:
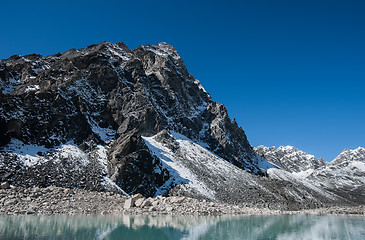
(182, 227)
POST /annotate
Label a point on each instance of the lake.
(182, 227)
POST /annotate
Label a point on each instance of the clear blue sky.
(290, 72)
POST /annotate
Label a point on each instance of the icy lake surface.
(183, 227)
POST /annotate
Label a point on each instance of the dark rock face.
(134, 169)
(228, 140)
(109, 95)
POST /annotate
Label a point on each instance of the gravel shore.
(55, 200)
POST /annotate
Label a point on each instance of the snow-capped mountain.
(290, 158)
(350, 156)
(135, 121)
(344, 176)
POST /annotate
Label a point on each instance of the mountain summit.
(107, 97)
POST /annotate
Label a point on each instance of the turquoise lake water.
(183, 227)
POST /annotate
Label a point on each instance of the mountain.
(344, 176)
(99, 102)
(107, 118)
(290, 158)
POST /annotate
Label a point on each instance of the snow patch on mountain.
(197, 82)
(32, 88)
(182, 174)
(119, 52)
(9, 85)
(28, 155)
(303, 174)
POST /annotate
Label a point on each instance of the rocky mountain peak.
(290, 158)
(348, 155)
(106, 96)
(163, 49)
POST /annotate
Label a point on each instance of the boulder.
(177, 199)
(4, 185)
(129, 203)
(30, 211)
(139, 202)
(10, 202)
(146, 203)
(137, 196)
(155, 203)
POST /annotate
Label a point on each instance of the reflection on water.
(182, 227)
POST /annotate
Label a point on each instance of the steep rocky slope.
(205, 175)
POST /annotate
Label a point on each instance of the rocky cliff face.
(107, 97)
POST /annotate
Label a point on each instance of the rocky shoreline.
(56, 200)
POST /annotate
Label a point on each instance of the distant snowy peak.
(345, 175)
(290, 158)
(348, 155)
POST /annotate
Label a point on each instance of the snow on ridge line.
(357, 154)
(200, 86)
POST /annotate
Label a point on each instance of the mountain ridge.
(290, 158)
(344, 175)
